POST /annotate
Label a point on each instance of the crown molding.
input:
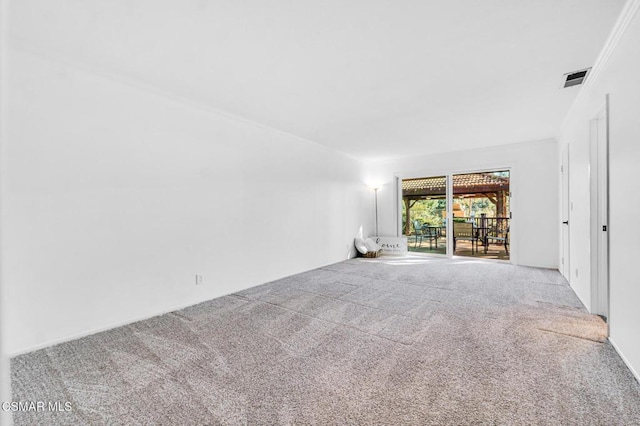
(626, 16)
(35, 50)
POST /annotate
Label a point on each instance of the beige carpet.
(366, 341)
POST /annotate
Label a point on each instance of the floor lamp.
(375, 192)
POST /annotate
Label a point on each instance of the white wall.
(5, 372)
(534, 187)
(115, 197)
(617, 76)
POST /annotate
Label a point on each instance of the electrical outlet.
(199, 279)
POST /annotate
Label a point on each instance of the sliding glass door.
(478, 220)
(424, 214)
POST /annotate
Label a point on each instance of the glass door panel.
(481, 214)
(424, 214)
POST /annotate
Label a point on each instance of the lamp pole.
(375, 191)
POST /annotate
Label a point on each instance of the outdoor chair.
(500, 237)
(424, 232)
(464, 231)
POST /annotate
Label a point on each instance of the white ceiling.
(372, 78)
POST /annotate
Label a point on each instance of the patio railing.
(487, 226)
(493, 226)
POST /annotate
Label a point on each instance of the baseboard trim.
(625, 360)
(150, 315)
(108, 327)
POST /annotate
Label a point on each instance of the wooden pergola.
(471, 185)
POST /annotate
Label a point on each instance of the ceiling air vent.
(575, 78)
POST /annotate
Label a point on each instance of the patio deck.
(463, 248)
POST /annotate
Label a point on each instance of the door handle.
(566, 222)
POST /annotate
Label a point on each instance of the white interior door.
(564, 170)
(599, 215)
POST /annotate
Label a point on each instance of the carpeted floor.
(366, 341)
